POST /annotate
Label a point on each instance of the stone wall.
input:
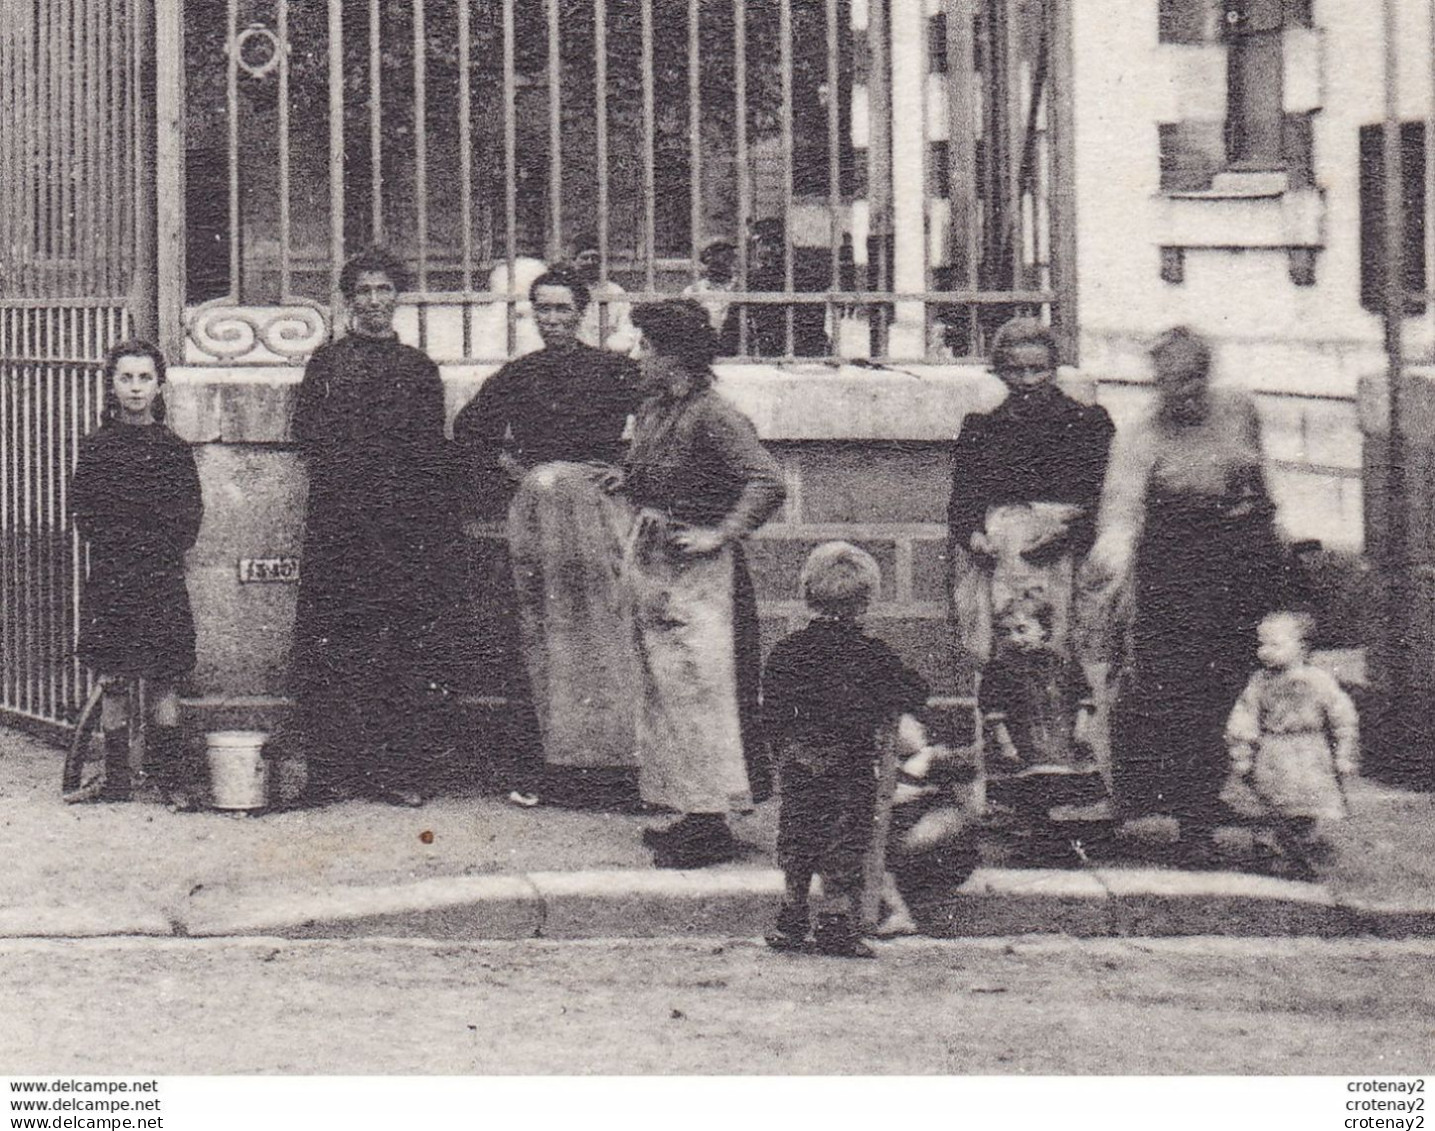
(865, 457)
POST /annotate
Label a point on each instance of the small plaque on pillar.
(269, 571)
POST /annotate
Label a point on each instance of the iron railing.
(911, 151)
(50, 397)
(71, 208)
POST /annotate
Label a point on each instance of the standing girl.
(136, 499)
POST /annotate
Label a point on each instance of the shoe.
(524, 800)
(836, 937)
(695, 841)
(399, 796)
(790, 933)
(788, 944)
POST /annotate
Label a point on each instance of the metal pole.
(1396, 558)
(144, 287)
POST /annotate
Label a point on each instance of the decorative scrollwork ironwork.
(223, 329)
(239, 48)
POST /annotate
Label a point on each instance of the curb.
(739, 903)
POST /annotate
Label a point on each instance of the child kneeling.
(826, 690)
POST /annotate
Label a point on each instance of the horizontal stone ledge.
(920, 403)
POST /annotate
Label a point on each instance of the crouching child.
(827, 690)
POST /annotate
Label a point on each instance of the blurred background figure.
(719, 266)
(606, 323)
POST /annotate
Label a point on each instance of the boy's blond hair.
(839, 579)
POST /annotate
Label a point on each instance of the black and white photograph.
(686, 543)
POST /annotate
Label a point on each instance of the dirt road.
(1054, 1006)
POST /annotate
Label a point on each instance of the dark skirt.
(747, 649)
(1205, 575)
(137, 624)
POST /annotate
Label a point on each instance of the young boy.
(826, 690)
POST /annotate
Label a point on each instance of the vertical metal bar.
(421, 161)
(376, 127)
(54, 169)
(9, 198)
(89, 217)
(1062, 117)
(600, 50)
(744, 181)
(30, 168)
(695, 133)
(63, 135)
(49, 610)
(145, 289)
(834, 158)
(649, 129)
(71, 106)
(281, 17)
(336, 152)
(879, 164)
(784, 39)
(27, 528)
(510, 171)
(169, 194)
(555, 133)
(1430, 178)
(1396, 573)
(7, 565)
(76, 425)
(465, 165)
(231, 101)
(121, 151)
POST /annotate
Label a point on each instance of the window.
(1256, 128)
(1372, 215)
(1192, 153)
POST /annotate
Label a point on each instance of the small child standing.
(826, 690)
(1293, 738)
(136, 498)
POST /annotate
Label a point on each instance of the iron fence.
(50, 397)
(912, 153)
(71, 214)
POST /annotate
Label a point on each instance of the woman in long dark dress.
(701, 483)
(136, 499)
(369, 423)
(1187, 544)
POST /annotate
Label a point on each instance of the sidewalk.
(471, 866)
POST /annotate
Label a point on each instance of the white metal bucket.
(238, 773)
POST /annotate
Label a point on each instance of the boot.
(177, 786)
(837, 937)
(117, 784)
(790, 933)
(696, 841)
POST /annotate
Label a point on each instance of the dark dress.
(825, 691)
(136, 499)
(1188, 527)
(1055, 451)
(369, 422)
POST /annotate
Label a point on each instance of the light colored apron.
(689, 740)
(565, 537)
